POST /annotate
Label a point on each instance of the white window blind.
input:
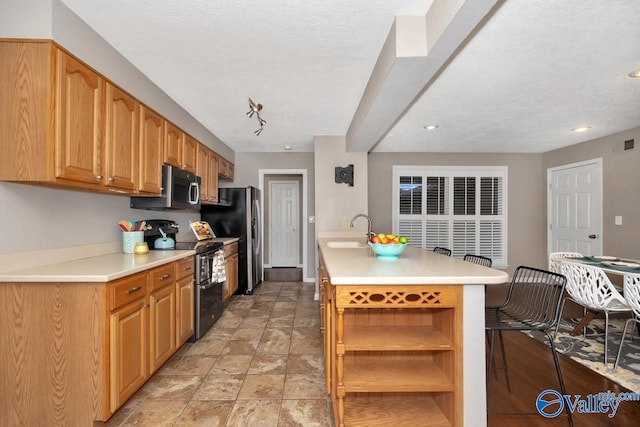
(460, 208)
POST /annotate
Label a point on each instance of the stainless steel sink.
(346, 245)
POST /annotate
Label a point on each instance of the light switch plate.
(618, 220)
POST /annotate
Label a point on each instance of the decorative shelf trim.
(399, 296)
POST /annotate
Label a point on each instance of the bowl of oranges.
(387, 246)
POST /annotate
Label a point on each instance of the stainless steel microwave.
(180, 190)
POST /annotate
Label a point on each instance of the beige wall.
(526, 196)
(620, 187)
(336, 204)
(247, 169)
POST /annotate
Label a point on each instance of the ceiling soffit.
(416, 49)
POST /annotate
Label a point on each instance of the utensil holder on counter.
(129, 240)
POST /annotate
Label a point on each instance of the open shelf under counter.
(371, 373)
(402, 410)
(391, 338)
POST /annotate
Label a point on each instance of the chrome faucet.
(368, 224)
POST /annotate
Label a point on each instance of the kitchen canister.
(129, 240)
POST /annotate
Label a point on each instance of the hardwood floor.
(531, 371)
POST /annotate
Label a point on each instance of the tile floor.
(260, 365)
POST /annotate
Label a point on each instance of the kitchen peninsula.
(403, 338)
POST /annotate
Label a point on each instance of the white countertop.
(103, 268)
(359, 266)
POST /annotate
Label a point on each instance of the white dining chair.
(590, 287)
(554, 258)
(631, 293)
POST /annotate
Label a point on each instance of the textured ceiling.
(532, 71)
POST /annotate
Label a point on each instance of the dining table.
(608, 264)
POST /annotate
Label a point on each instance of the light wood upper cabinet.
(189, 154)
(79, 95)
(180, 149)
(225, 169)
(65, 124)
(213, 177)
(207, 169)
(122, 140)
(173, 141)
(151, 151)
(202, 170)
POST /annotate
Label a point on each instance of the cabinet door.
(222, 167)
(213, 177)
(79, 121)
(128, 351)
(232, 274)
(151, 151)
(226, 288)
(184, 308)
(202, 170)
(162, 313)
(188, 154)
(122, 139)
(173, 141)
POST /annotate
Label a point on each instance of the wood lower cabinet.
(162, 325)
(326, 302)
(80, 350)
(184, 300)
(129, 367)
(396, 355)
(231, 260)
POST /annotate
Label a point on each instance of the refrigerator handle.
(255, 226)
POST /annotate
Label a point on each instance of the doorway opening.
(285, 194)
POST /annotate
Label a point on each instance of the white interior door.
(284, 219)
(575, 208)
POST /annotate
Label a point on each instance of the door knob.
(593, 236)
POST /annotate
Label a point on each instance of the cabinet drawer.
(126, 290)
(162, 276)
(184, 268)
(230, 249)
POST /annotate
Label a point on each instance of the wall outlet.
(345, 225)
(618, 220)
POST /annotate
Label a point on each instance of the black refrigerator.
(238, 214)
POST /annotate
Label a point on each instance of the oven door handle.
(208, 285)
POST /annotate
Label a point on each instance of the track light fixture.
(255, 109)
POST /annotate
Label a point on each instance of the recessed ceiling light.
(635, 74)
(288, 147)
(430, 127)
(581, 129)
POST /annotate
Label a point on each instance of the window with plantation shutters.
(461, 208)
